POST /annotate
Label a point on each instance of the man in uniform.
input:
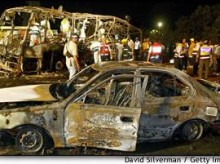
(204, 59)
(155, 52)
(71, 53)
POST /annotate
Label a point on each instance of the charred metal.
(32, 40)
(110, 105)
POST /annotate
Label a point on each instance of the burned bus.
(32, 38)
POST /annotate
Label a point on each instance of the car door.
(167, 102)
(102, 116)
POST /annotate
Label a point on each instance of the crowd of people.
(198, 55)
(103, 49)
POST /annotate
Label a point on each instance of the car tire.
(59, 66)
(192, 130)
(29, 140)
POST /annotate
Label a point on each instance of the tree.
(204, 23)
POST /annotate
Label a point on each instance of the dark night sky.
(143, 14)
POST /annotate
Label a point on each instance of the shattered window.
(82, 77)
(109, 74)
(21, 19)
(55, 25)
(121, 92)
(162, 84)
(116, 91)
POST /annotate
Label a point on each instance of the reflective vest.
(196, 49)
(205, 51)
(156, 49)
(179, 51)
(126, 49)
(34, 30)
(95, 46)
(145, 45)
(191, 47)
(65, 25)
(104, 49)
(126, 54)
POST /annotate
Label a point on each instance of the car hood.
(213, 86)
(26, 93)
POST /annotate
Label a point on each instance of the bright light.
(160, 24)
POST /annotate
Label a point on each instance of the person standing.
(71, 53)
(94, 47)
(119, 48)
(192, 54)
(131, 45)
(195, 54)
(127, 54)
(155, 52)
(145, 48)
(34, 32)
(137, 49)
(65, 28)
(179, 56)
(204, 59)
(185, 53)
(45, 30)
(105, 51)
(216, 60)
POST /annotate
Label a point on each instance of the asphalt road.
(207, 146)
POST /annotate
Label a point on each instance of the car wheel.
(29, 140)
(192, 130)
(59, 66)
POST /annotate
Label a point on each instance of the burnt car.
(112, 105)
(215, 87)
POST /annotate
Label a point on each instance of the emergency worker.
(178, 56)
(192, 55)
(105, 51)
(145, 48)
(65, 27)
(94, 47)
(119, 47)
(204, 59)
(185, 53)
(217, 58)
(190, 52)
(131, 45)
(127, 54)
(34, 33)
(137, 49)
(45, 29)
(155, 53)
(71, 53)
(195, 54)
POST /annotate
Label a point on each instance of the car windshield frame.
(76, 76)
